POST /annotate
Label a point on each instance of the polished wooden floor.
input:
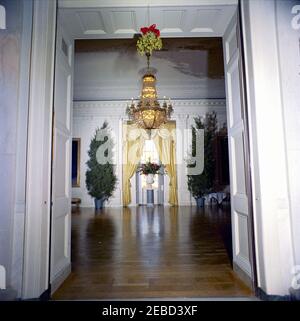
(161, 252)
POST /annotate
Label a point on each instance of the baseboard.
(46, 295)
(59, 279)
(86, 205)
(262, 295)
(242, 275)
(295, 294)
(8, 295)
(136, 205)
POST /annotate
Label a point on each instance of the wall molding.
(59, 278)
(120, 3)
(117, 109)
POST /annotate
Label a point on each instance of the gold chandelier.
(148, 113)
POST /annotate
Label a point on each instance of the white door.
(61, 171)
(240, 192)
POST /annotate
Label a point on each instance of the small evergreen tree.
(201, 184)
(100, 178)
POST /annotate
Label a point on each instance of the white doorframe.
(37, 218)
(37, 246)
(270, 203)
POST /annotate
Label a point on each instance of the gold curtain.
(133, 142)
(164, 140)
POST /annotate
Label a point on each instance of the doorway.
(150, 154)
(242, 253)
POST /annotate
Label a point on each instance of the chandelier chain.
(148, 14)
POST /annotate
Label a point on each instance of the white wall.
(14, 82)
(116, 74)
(272, 68)
(87, 116)
(289, 64)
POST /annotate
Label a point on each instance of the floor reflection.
(151, 252)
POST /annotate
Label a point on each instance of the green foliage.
(202, 184)
(100, 178)
(147, 43)
(149, 168)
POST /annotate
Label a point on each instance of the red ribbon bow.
(152, 28)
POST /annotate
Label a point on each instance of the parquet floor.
(161, 252)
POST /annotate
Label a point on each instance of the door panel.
(236, 141)
(61, 171)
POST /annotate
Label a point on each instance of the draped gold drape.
(133, 143)
(165, 143)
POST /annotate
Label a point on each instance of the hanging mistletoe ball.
(150, 40)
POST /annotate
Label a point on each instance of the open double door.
(242, 231)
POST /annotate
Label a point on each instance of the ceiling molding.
(117, 109)
(139, 3)
(90, 20)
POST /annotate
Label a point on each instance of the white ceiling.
(96, 19)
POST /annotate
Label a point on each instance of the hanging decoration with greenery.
(149, 40)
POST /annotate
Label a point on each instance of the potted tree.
(201, 184)
(197, 186)
(100, 177)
